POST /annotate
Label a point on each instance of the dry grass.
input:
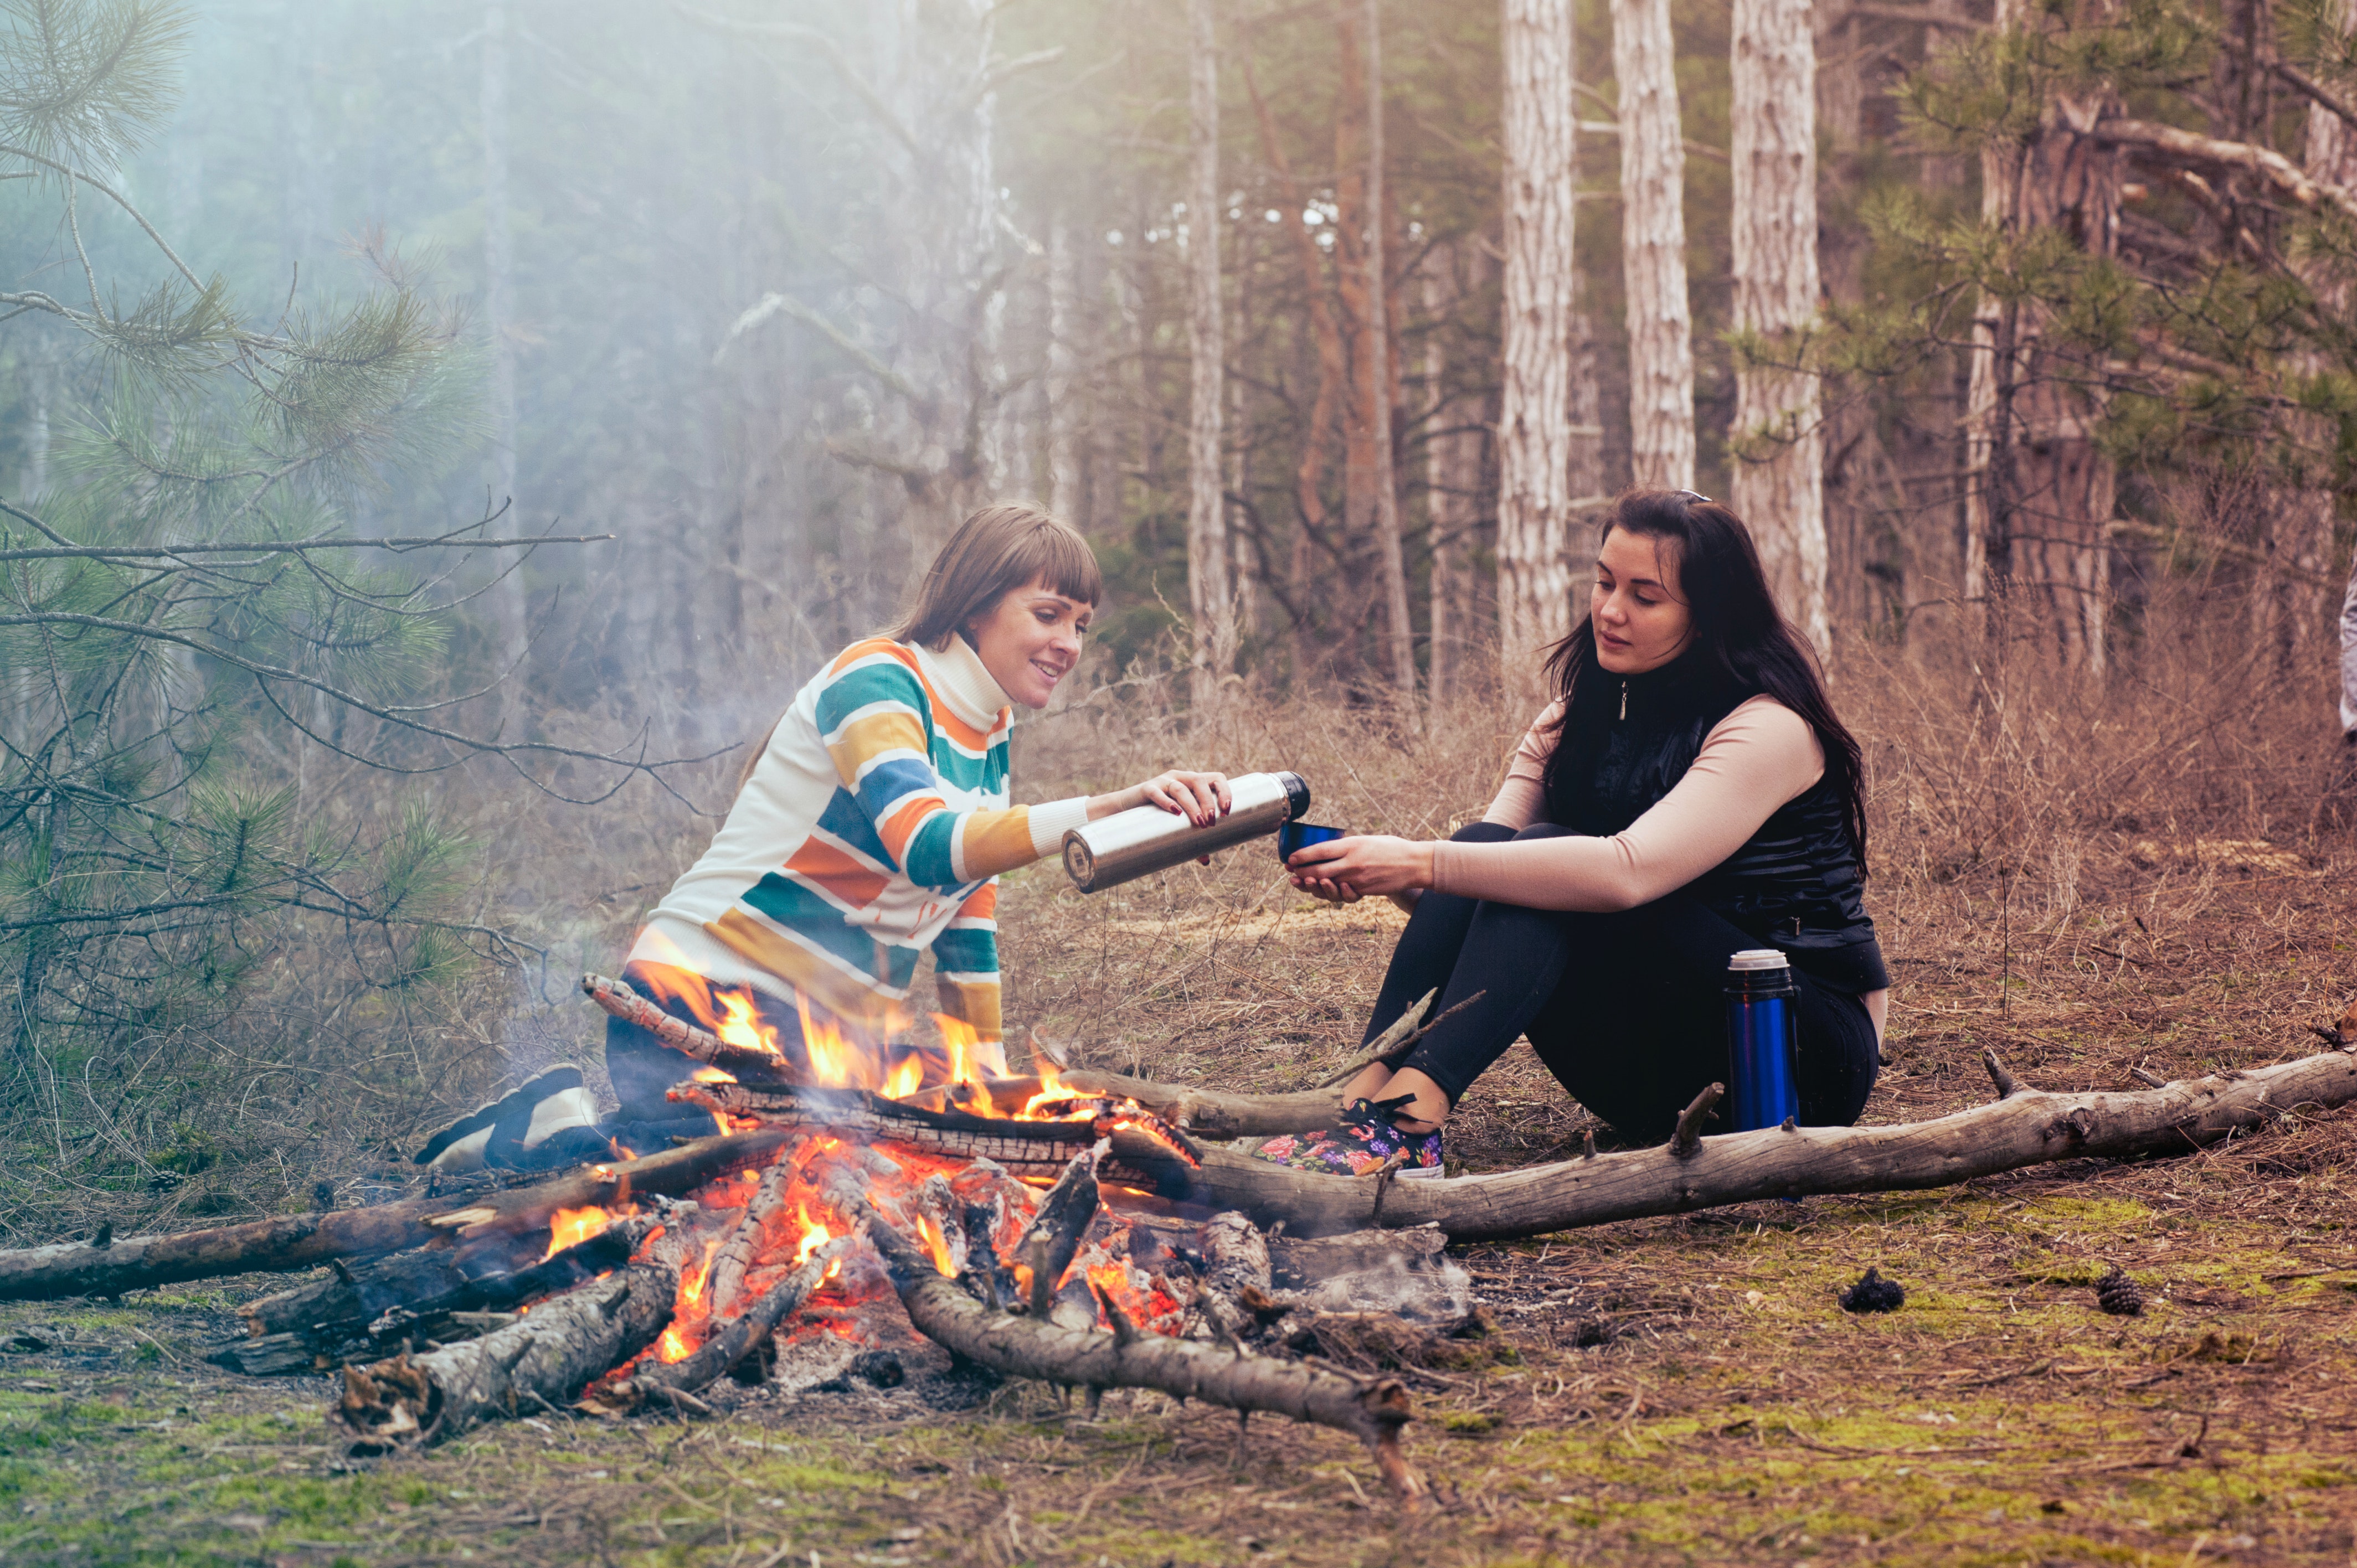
(2087, 884)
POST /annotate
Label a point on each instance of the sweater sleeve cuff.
(1049, 822)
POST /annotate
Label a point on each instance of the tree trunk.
(1065, 428)
(1383, 521)
(1653, 248)
(508, 600)
(1778, 484)
(1452, 471)
(1209, 597)
(1534, 424)
(2039, 489)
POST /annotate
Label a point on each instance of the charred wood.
(304, 1242)
(654, 1384)
(541, 1360)
(1016, 1345)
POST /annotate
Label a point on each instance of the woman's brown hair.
(994, 551)
(997, 551)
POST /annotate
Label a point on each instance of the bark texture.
(303, 1241)
(2028, 1127)
(1022, 1346)
(540, 1361)
(653, 1384)
(1453, 464)
(2038, 491)
(1653, 247)
(1382, 377)
(1778, 482)
(1536, 515)
(1208, 591)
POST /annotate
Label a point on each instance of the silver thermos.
(1146, 839)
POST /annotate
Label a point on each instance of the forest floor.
(1666, 1390)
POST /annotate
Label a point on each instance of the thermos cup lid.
(1758, 957)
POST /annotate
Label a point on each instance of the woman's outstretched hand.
(1201, 797)
(1345, 870)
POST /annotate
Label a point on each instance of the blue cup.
(1301, 835)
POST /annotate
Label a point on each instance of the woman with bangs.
(1690, 793)
(869, 828)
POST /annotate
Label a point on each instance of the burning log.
(306, 1242)
(2026, 1127)
(1049, 1247)
(429, 1294)
(1146, 1152)
(1027, 1345)
(616, 998)
(734, 1259)
(542, 1360)
(657, 1383)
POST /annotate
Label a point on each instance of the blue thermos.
(1762, 1038)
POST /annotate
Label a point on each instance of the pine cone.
(1873, 1294)
(2119, 1294)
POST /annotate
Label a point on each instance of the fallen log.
(2026, 1127)
(1024, 1345)
(371, 1308)
(304, 1242)
(540, 1361)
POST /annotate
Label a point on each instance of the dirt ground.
(1669, 1391)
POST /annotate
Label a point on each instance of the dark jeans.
(1627, 1010)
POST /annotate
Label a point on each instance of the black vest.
(1794, 884)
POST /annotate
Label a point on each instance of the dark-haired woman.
(1690, 793)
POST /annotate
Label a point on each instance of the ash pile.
(836, 1240)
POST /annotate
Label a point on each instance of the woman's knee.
(1543, 830)
(1483, 832)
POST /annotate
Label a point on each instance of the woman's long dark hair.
(1741, 640)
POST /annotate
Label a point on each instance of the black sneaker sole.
(521, 1099)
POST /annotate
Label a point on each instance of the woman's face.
(1029, 640)
(1641, 618)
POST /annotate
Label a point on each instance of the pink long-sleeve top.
(1752, 761)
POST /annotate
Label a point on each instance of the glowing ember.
(673, 1347)
(574, 1225)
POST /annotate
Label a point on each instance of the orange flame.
(573, 1225)
(743, 1027)
(814, 1236)
(905, 1079)
(713, 1075)
(835, 1060)
(937, 1243)
(674, 1345)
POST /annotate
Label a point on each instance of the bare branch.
(2288, 178)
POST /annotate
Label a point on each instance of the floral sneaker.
(1362, 1141)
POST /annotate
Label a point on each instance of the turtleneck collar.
(964, 682)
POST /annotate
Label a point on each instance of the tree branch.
(2288, 178)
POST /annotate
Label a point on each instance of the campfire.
(1066, 1226)
(1029, 1226)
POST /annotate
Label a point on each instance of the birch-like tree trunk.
(1208, 593)
(2038, 489)
(1535, 433)
(2332, 158)
(1452, 473)
(1379, 375)
(1065, 492)
(508, 600)
(1653, 247)
(1778, 482)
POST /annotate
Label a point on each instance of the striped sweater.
(873, 828)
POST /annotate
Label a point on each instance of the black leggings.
(1627, 1010)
